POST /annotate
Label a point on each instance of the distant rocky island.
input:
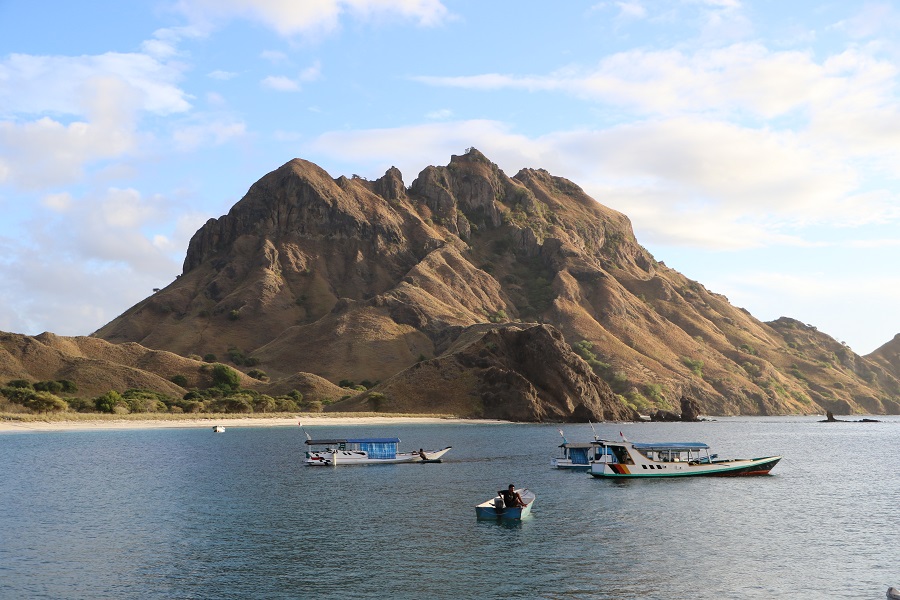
(466, 292)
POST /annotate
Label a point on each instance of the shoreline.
(13, 426)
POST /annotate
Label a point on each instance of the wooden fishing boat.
(365, 451)
(671, 459)
(495, 509)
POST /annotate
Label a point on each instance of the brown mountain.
(359, 280)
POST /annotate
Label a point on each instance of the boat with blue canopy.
(576, 455)
(365, 451)
(618, 459)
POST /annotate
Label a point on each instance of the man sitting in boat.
(511, 497)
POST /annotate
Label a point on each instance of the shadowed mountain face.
(431, 290)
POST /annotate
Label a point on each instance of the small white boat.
(218, 429)
(495, 509)
(893, 593)
(366, 451)
(671, 459)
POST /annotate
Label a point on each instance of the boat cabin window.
(621, 454)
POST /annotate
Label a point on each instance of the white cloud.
(280, 83)
(215, 132)
(58, 202)
(222, 75)
(273, 56)
(442, 114)
(820, 298)
(312, 72)
(60, 84)
(46, 153)
(687, 181)
(102, 253)
(65, 113)
(290, 18)
(631, 10)
(741, 78)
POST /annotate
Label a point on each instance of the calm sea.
(186, 513)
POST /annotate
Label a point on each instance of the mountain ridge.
(357, 280)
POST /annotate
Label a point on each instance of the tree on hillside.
(111, 402)
(44, 402)
(225, 377)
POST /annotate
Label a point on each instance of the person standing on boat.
(511, 497)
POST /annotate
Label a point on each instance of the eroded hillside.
(358, 280)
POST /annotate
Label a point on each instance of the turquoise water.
(186, 513)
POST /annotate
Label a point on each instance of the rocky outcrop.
(351, 279)
(515, 372)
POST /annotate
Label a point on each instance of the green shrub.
(257, 374)
(44, 402)
(695, 365)
(111, 402)
(81, 405)
(54, 387)
(210, 358)
(225, 377)
(752, 369)
(311, 406)
(376, 401)
(237, 403)
(179, 380)
(286, 404)
(20, 383)
(18, 395)
(68, 387)
(264, 403)
(655, 392)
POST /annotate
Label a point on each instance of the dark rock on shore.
(830, 419)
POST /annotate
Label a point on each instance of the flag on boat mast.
(304, 431)
(624, 439)
(565, 441)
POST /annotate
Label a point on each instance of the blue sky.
(754, 145)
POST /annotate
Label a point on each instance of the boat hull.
(488, 511)
(564, 463)
(725, 468)
(351, 457)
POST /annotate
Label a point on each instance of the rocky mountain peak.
(350, 279)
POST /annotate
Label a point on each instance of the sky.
(753, 144)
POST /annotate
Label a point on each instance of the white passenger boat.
(671, 459)
(365, 451)
(495, 509)
(218, 429)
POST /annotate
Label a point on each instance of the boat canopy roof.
(354, 441)
(670, 446)
(578, 445)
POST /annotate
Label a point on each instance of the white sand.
(306, 420)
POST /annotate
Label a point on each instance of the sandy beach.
(7, 426)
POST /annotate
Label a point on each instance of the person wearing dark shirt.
(511, 497)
